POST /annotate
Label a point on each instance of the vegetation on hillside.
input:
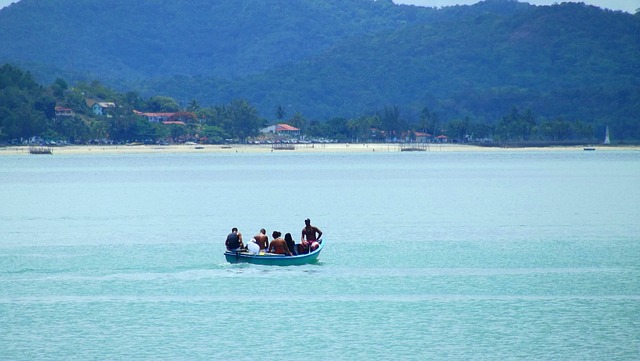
(29, 111)
(322, 62)
(150, 38)
(60, 113)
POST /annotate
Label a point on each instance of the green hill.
(330, 58)
(155, 38)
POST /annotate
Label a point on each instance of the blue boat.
(272, 259)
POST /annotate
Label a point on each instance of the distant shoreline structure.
(40, 150)
(316, 148)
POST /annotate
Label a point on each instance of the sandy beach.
(298, 148)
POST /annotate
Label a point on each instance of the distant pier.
(414, 147)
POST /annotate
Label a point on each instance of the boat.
(589, 148)
(272, 259)
(283, 146)
(40, 150)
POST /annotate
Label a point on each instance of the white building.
(102, 108)
(281, 129)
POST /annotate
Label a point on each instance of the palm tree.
(193, 106)
(280, 112)
(298, 120)
(243, 118)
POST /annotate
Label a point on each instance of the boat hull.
(274, 259)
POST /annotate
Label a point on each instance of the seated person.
(262, 240)
(278, 245)
(234, 241)
(310, 236)
(253, 247)
(290, 243)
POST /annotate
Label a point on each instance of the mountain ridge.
(345, 58)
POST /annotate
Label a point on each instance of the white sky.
(4, 3)
(629, 6)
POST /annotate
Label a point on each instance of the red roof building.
(442, 138)
(155, 117)
(281, 129)
(63, 112)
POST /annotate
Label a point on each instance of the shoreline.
(297, 148)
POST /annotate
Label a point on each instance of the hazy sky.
(625, 5)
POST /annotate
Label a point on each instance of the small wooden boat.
(283, 146)
(40, 150)
(272, 259)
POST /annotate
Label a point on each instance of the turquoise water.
(434, 255)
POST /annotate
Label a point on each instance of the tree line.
(28, 111)
(357, 60)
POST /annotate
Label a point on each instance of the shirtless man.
(310, 235)
(262, 240)
(278, 245)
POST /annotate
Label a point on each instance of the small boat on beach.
(272, 259)
(40, 150)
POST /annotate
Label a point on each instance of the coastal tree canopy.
(337, 59)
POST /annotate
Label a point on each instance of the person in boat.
(278, 245)
(234, 241)
(310, 236)
(291, 244)
(262, 240)
(253, 247)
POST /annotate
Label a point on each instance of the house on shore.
(62, 112)
(155, 117)
(281, 129)
(421, 137)
(101, 108)
(442, 139)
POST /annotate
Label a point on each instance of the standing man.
(234, 240)
(310, 235)
(262, 240)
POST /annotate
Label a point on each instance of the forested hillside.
(155, 38)
(345, 58)
(568, 61)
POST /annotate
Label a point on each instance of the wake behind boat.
(273, 259)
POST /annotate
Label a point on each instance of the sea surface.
(433, 255)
